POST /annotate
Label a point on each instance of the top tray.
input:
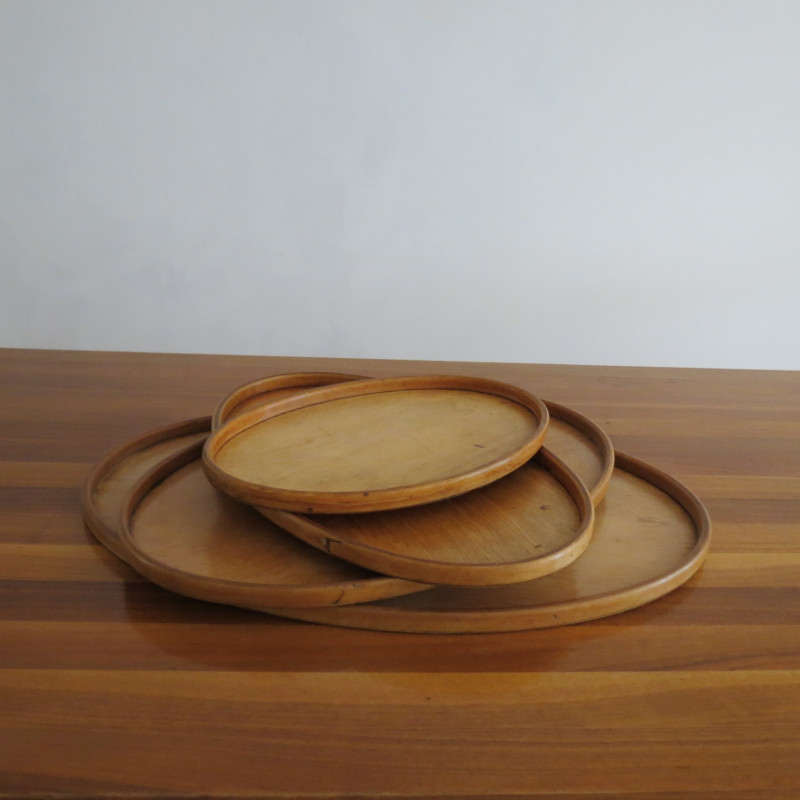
(376, 444)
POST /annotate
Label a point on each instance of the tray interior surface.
(378, 441)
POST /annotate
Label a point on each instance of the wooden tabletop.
(110, 686)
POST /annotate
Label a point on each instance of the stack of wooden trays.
(427, 504)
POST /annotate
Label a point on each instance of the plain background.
(594, 182)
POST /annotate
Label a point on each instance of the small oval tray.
(376, 444)
(651, 535)
(530, 523)
(574, 438)
(207, 546)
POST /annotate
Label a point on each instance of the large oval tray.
(651, 535)
(376, 444)
(528, 524)
(207, 546)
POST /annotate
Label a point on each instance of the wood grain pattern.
(111, 686)
(376, 444)
(531, 523)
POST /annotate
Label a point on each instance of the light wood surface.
(373, 445)
(574, 438)
(111, 686)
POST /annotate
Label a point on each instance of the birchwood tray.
(191, 539)
(651, 535)
(376, 444)
(574, 438)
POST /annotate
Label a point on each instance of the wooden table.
(112, 686)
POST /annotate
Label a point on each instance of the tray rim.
(226, 408)
(378, 499)
(101, 468)
(375, 617)
(380, 586)
(452, 573)
(236, 592)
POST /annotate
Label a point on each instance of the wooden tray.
(112, 477)
(575, 439)
(205, 545)
(376, 444)
(530, 523)
(651, 535)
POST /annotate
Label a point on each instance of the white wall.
(601, 181)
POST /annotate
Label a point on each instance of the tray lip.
(226, 410)
(598, 437)
(378, 499)
(112, 459)
(383, 618)
(453, 573)
(236, 592)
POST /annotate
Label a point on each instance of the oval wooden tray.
(376, 444)
(112, 477)
(211, 547)
(532, 522)
(575, 439)
(651, 535)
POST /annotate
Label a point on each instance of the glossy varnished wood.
(112, 686)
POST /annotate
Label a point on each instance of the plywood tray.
(530, 523)
(651, 535)
(574, 438)
(376, 444)
(150, 504)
